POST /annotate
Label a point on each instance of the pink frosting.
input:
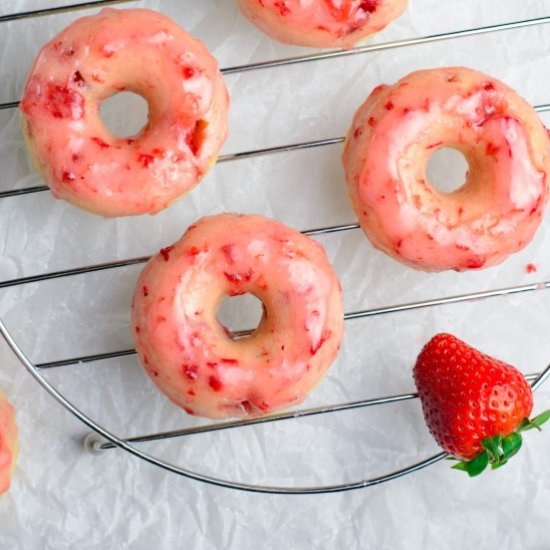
(97, 56)
(191, 357)
(8, 444)
(500, 206)
(322, 23)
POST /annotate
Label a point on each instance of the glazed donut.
(322, 23)
(192, 358)
(95, 57)
(497, 210)
(9, 444)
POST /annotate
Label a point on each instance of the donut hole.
(238, 313)
(447, 169)
(124, 114)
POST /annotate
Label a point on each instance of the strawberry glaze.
(192, 358)
(94, 58)
(500, 206)
(8, 444)
(322, 23)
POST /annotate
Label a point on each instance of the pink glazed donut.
(322, 23)
(9, 444)
(500, 206)
(193, 359)
(94, 58)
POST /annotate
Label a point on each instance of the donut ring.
(94, 58)
(500, 206)
(322, 23)
(192, 358)
(9, 444)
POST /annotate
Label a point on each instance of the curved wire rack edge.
(212, 480)
(194, 475)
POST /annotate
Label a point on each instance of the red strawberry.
(474, 405)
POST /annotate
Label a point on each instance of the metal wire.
(388, 45)
(194, 475)
(111, 440)
(61, 9)
(208, 479)
(243, 155)
(537, 380)
(362, 314)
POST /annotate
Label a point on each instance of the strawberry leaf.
(529, 426)
(523, 426)
(534, 424)
(478, 464)
(511, 444)
(492, 446)
(474, 467)
(539, 420)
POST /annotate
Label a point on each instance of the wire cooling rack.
(102, 439)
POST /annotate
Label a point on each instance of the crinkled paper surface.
(62, 497)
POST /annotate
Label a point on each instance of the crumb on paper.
(530, 268)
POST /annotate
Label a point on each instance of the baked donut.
(497, 210)
(193, 359)
(95, 57)
(9, 444)
(322, 23)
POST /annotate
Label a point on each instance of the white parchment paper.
(63, 497)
